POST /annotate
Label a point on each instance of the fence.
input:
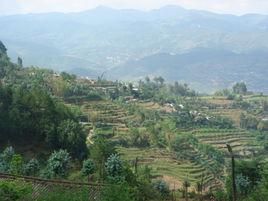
(44, 185)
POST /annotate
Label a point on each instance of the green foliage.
(181, 89)
(211, 153)
(221, 122)
(186, 119)
(15, 190)
(3, 49)
(20, 64)
(5, 159)
(32, 115)
(162, 187)
(114, 169)
(99, 152)
(67, 76)
(16, 164)
(248, 121)
(64, 194)
(183, 142)
(58, 164)
(88, 167)
(139, 138)
(243, 184)
(120, 192)
(263, 125)
(31, 168)
(72, 137)
(220, 195)
(249, 175)
(240, 88)
(260, 193)
(251, 170)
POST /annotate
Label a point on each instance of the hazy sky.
(221, 6)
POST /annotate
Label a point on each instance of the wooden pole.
(233, 172)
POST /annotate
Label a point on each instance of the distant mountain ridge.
(204, 69)
(108, 40)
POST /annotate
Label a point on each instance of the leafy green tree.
(263, 125)
(139, 139)
(31, 168)
(259, 193)
(114, 168)
(240, 88)
(8, 154)
(99, 152)
(162, 187)
(6, 158)
(20, 64)
(3, 49)
(16, 164)
(186, 185)
(67, 76)
(248, 121)
(58, 164)
(251, 170)
(130, 87)
(159, 80)
(88, 167)
(243, 184)
(249, 176)
(265, 105)
(72, 137)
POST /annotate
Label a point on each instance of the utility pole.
(136, 165)
(233, 172)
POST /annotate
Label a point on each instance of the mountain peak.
(171, 7)
(170, 10)
(101, 7)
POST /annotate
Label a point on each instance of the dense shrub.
(58, 165)
(15, 190)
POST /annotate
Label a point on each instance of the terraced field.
(242, 142)
(110, 119)
(165, 165)
(155, 106)
(233, 114)
(218, 100)
(106, 117)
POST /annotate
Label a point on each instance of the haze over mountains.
(207, 50)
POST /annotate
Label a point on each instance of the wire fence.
(43, 186)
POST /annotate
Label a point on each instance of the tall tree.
(3, 49)
(20, 64)
(240, 88)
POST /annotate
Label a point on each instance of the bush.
(72, 137)
(58, 165)
(15, 190)
(114, 168)
(5, 159)
(88, 167)
(220, 195)
(162, 187)
(16, 164)
(117, 193)
(263, 126)
(31, 168)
